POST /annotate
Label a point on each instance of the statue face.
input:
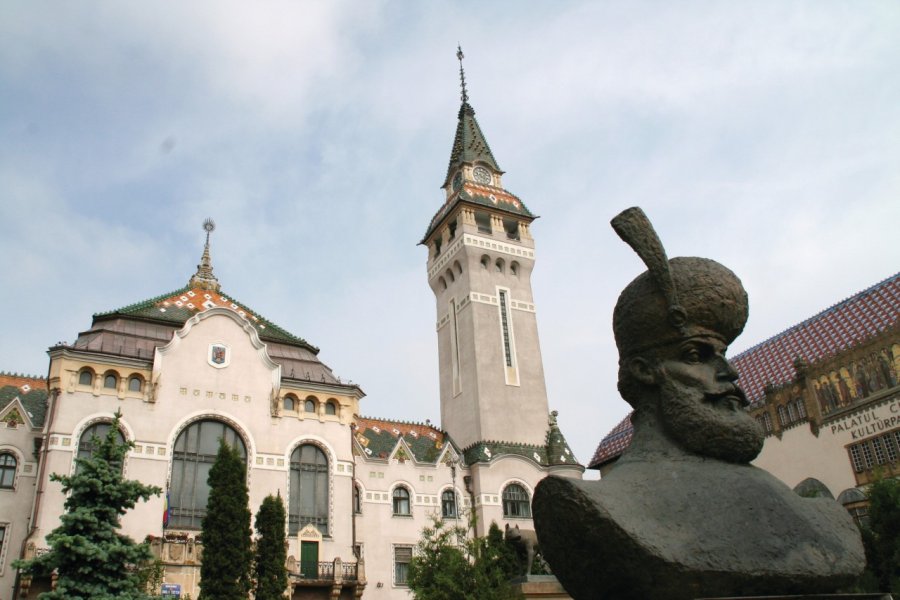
(701, 406)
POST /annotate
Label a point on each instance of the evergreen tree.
(225, 567)
(448, 566)
(92, 559)
(270, 572)
(882, 535)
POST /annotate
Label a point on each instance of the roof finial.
(464, 95)
(204, 278)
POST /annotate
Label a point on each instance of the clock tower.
(480, 259)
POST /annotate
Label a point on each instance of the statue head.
(672, 326)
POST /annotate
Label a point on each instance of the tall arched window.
(448, 504)
(309, 489)
(8, 466)
(516, 502)
(194, 454)
(97, 430)
(401, 501)
(357, 499)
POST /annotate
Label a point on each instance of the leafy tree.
(92, 559)
(225, 568)
(882, 535)
(449, 566)
(270, 573)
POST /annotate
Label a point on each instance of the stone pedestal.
(545, 587)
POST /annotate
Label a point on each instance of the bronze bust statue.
(683, 514)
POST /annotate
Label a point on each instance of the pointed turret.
(204, 278)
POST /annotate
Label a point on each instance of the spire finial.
(204, 277)
(464, 95)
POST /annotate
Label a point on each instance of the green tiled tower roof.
(469, 144)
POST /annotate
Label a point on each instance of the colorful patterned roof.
(379, 437)
(469, 143)
(177, 307)
(30, 390)
(830, 332)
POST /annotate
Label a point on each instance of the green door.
(309, 560)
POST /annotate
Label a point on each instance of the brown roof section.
(830, 332)
(23, 382)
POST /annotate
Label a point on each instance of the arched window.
(194, 454)
(448, 504)
(86, 377)
(458, 267)
(8, 466)
(357, 499)
(499, 265)
(135, 383)
(330, 408)
(310, 405)
(443, 283)
(782, 416)
(110, 381)
(309, 489)
(485, 261)
(86, 442)
(514, 268)
(450, 276)
(290, 403)
(516, 502)
(401, 501)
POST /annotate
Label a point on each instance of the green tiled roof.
(469, 143)
(170, 309)
(34, 401)
(555, 452)
(379, 437)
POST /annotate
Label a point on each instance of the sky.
(764, 135)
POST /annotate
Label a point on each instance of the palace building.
(827, 394)
(194, 365)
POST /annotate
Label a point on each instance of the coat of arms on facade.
(219, 355)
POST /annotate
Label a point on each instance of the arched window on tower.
(86, 377)
(516, 502)
(110, 381)
(195, 452)
(290, 403)
(331, 407)
(309, 489)
(135, 383)
(310, 405)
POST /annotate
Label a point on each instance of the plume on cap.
(675, 299)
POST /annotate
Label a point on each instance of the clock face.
(481, 175)
(457, 181)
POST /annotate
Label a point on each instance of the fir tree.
(448, 566)
(91, 558)
(882, 535)
(225, 568)
(270, 573)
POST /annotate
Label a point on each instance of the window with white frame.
(448, 504)
(401, 501)
(8, 465)
(309, 489)
(402, 558)
(516, 502)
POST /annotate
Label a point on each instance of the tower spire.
(464, 94)
(204, 278)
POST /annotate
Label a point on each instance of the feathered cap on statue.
(674, 299)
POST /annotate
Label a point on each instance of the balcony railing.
(324, 571)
